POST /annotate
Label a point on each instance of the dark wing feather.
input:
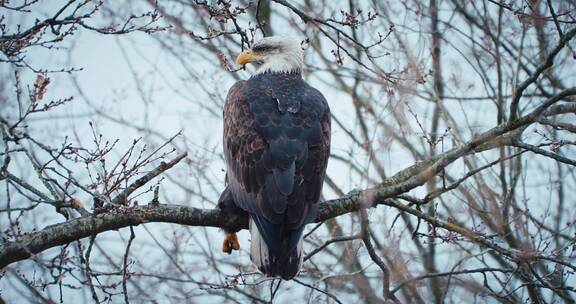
(243, 149)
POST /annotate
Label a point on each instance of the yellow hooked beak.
(247, 57)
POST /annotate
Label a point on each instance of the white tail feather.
(258, 248)
(299, 249)
(259, 253)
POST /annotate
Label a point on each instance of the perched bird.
(276, 145)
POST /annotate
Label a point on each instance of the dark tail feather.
(275, 262)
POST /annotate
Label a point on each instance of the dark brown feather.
(276, 144)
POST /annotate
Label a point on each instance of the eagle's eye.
(262, 48)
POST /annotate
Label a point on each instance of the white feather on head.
(281, 55)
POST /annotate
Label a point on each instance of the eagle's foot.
(230, 243)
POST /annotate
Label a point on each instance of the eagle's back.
(276, 144)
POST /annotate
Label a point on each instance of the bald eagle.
(276, 145)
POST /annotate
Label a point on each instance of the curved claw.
(230, 243)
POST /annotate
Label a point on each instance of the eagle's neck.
(278, 79)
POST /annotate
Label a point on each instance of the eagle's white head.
(275, 54)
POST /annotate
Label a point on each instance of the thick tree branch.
(63, 233)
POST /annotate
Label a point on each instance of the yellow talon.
(230, 243)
